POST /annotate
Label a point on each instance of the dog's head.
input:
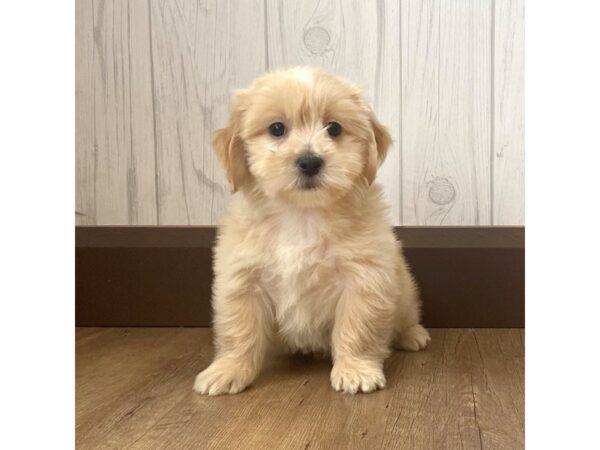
(302, 136)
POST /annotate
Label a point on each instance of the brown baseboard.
(161, 276)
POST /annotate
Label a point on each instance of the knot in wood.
(441, 191)
(316, 40)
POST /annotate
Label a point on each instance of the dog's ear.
(377, 149)
(230, 147)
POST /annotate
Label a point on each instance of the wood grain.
(202, 52)
(85, 175)
(420, 48)
(123, 142)
(446, 112)
(465, 115)
(134, 390)
(127, 385)
(498, 364)
(154, 79)
(508, 158)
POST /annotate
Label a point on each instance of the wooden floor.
(134, 390)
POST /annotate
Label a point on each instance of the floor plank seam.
(473, 388)
(475, 413)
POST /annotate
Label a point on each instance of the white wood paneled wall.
(155, 77)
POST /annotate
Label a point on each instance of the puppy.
(305, 255)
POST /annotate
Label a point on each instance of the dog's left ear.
(378, 148)
(230, 148)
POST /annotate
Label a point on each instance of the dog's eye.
(277, 129)
(334, 129)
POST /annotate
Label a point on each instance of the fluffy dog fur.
(310, 264)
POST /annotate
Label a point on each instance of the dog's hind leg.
(409, 334)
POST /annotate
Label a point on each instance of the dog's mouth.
(307, 184)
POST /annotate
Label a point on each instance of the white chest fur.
(303, 285)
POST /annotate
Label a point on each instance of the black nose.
(309, 165)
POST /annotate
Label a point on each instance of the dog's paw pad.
(222, 378)
(413, 339)
(352, 378)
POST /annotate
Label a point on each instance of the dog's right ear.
(230, 147)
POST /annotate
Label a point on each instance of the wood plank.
(434, 406)
(386, 100)
(201, 53)
(353, 39)
(128, 378)
(446, 80)
(465, 110)
(85, 176)
(123, 124)
(420, 114)
(499, 388)
(508, 156)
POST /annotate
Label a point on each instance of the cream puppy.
(305, 256)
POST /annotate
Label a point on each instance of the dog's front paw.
(352, 376)
(223, 377)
